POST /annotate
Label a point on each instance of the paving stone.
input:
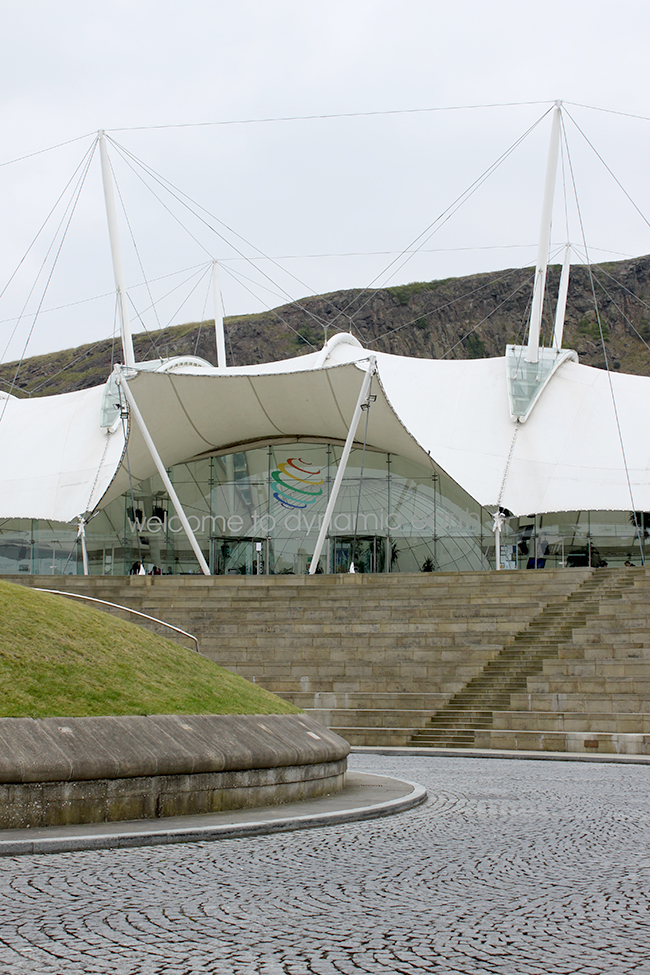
(510, 868)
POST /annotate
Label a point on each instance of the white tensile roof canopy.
(584, 438)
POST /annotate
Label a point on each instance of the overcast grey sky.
(334, 200)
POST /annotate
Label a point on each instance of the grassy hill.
(59, 659)
(458, 318)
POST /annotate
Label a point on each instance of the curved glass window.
(259, 511)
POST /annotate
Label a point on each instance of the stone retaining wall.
(57, 771)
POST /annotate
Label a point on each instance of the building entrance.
(368, 552)
(237, 556)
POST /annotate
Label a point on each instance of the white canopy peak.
(341, 338)
(527, 380)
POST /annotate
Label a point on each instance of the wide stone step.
(488, 679)
(566, 671)
(337, 616)
(318, 675)
(450, 712)
(392, 737)
(519, 676)
(445, 718)
(602, 698)
(580, 742)
(592, 643)
(532, 657)
(369, 718)
(346, 685)
(629, 649)
(367, 700)
(481, 702)
(449, 739)
(455, 720)
(570, 721)
(502, 693)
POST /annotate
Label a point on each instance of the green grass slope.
(62, 659)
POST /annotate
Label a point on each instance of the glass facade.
(574, 539)
(259, 512)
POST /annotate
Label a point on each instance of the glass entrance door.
(368, 552)
(237, 556)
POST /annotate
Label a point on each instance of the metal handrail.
(126, 609)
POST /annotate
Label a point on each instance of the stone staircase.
(594, 694)
(475, 707)
(374, 657)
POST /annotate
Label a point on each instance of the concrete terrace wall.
(57, 771)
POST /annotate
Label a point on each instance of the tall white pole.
(81, 533)
(191, 537)
(218, 318)
(499, 519)
(116, 254)
(532, 355)
(354, 423)
(562, 294)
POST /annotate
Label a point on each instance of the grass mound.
(61, 659)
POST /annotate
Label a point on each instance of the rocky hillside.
(468, 317)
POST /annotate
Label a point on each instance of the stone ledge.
(71, 749)
(58, 771)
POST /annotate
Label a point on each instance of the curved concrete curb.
(364, 797)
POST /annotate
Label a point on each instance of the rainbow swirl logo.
(298, 483)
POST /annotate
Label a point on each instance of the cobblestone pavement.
(511, 867)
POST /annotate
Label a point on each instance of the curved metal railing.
(125, 609)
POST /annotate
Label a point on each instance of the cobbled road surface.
(511, 867)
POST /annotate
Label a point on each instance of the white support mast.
(137, 415)
(111, 214)
(563, 292)
(81, 535)
(218, 318)
(499, 519)
(532, 355)
(354, 423)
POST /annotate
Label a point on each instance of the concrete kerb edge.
(198, 834)
(521, 755)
